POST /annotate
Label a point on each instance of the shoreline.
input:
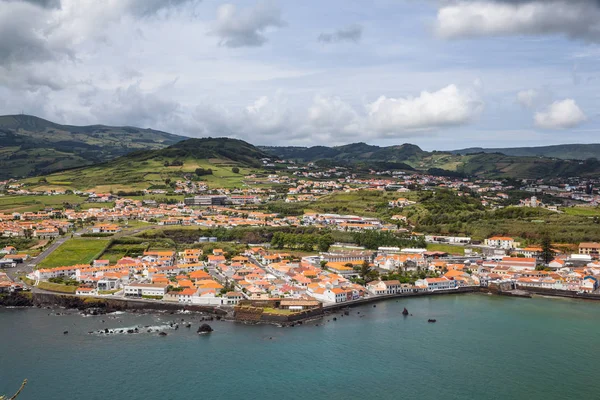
(100, 305)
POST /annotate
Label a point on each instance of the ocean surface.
(481, 347)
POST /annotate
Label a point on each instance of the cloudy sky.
(442, 74)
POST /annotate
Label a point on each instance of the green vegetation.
(306, 242)
(562, 151)
(118, 249)
(369, 203)
(446, 248)
(108, 291)
(582, 211)
(37, 203)
(212, 159)
(64, 281)
(450, 214)
(56, 287)
(75, 251)
(33, 146)
(375, 239)
(527, 164)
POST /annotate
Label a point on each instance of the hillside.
(561, 151)
(32, 146)
(408, 156)
(157, 169)
(350, 153)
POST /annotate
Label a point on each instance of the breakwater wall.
(257, 315)
(560, 293)
(339, 306)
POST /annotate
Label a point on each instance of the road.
(26, 268)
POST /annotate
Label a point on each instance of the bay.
(481, 347)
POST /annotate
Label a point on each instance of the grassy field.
(448, 248)
(369, 203)
(36, 203)
(115, 252)
(132, 174)
(583, 211)
(57, 287)
(75, 251)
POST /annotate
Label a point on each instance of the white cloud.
(560, 115)
(573, 18)
(331, 115)
(246, 27)
(42, 30)
(330, 119)
(527, 98)
(449, 106)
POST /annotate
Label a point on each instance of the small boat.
(431, 320)
(405, 311)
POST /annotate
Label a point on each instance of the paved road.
(28, 267)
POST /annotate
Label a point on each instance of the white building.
(145, 289)
(502, 242)
(433, 284)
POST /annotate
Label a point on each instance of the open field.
(75, 251)
(9, 204)
(448, 248)
(132, 175)
(582, 211)
(116, 251)
(57, 287)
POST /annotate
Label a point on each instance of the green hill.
(32, 146)
(349, 153)
(561, 151)
(458, 163)
(157, 169)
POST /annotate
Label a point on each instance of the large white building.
(145, 289)
(433, 284)
(502, 242)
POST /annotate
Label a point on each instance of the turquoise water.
(481, 347)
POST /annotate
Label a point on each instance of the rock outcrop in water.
(204, 328)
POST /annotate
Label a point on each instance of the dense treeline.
(306, 242)
(242, 234)
(375, 239)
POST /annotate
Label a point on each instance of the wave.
(135, 329)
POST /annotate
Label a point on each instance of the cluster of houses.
(7, 285)
(34, 225)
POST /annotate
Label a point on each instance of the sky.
(442, 74)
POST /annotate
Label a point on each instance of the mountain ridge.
(31, 145)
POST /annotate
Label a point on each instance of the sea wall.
(110, 305)
(257, 315)
(368, 300)
(560, 293)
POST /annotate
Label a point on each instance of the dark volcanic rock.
(205, 328)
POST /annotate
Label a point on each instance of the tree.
(323, 264)
(202, 171)
(547, 253)
(235, 170)
(365, 268)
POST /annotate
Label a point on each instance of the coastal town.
(303, 272)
